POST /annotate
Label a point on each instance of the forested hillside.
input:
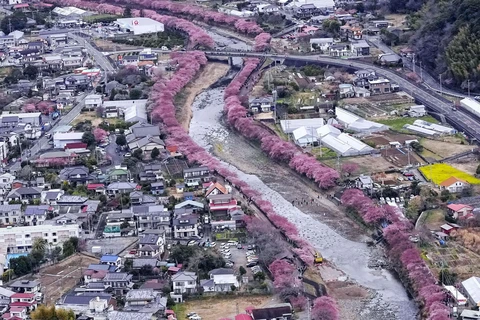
(447, 40)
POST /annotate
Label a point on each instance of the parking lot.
(237, 256)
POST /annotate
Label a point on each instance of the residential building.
(25, 286)
(61, 139)
(262, 104)
(151, 245)
(10, 214)
(72, 62)
(454, 185)
(5, 296)
(24, 194)
(78, 175)
(87, 304)
(20, 239)
(25, 299)
(157, 188)
(340, 50)
(196, 176)
(184, 282)
(322, 44)
(111, 260)
(459, 211)
(139, 198)
(364, 182)
(360, 48)
(220, 204)
(121, 187)
(16, 313)
(36, 215)
(33, 118)
(120, 282)
(417, 111)
(216, 188)
(147, 144)
(221, 280)
(118, 173)
(380, 86)
(185, 227)
(152, 217)
(93, 101)
(145, 300)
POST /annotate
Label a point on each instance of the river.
(339, 240)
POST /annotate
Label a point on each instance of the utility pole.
(468, 87)
(441, 91)
(413, 64)
(421, 71)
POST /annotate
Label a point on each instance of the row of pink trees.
(275, 147)
(43, 107)
(402, 252)
(197, 35)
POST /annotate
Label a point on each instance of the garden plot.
(454, 257)
(440, 172)
(445, 149)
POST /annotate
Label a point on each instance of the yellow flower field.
(440, 172)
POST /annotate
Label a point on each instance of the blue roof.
(109, 258)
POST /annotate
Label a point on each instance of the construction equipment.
(317, 258)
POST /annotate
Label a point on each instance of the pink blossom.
(325, 308)
(99, 134)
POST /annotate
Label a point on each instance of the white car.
(225, 251)
(128, 155)
(227, 255)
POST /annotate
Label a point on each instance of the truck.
(96, 249)
(317, 258)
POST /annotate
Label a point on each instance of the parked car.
(251, 264)
(239, 246)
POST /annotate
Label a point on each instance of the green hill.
(447, 40)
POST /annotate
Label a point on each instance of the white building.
(323, 44)
(417, 111)
(342, 143)
(288, 126)
(420, 130)
(364, 182)
(20, 239)
(92, 101)
(304, 137)
(140, 25)
(471, 105)
(472, 289)
(221, 280)
(356, 123)
(61, 139)
(33, 118)
(3, 151)
(131, 110)
(184, 282)
(435, 127)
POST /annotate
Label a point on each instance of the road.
(105, 65)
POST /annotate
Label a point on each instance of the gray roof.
(184, 276)
(121, 186)
(6, 292)
(37, 210)
(148, 209)
(84, 298)
(185, 220)
(138, 263)
(27, 191)
(141, 130)
(220, 271)
(148, 239)
(204, 168)
(24, 284)
(125, 315)
(10, 207)
(189, 203)
(157, 184)
(117, 276)
(140, 294)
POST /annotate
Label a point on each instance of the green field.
(398, 123)
(440, 172)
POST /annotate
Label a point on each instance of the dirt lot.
(56, 280)
(367, 164)
(208, 76)
(218, 308)
(444, 149)
(91, 116)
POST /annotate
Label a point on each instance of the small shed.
(447, 228)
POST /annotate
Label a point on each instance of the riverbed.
(318, 220)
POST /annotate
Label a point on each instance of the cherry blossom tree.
(325, 308)
(349, 168)
(29, 108)
(99, 134)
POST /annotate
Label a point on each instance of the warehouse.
(12, 119)
(471, 106)
(140, 25)
(303, 137)
(288, 126)
(435, 127)
(420, 130)
(358, 124)
(62, 139)
(343, 144)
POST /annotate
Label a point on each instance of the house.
(471, 287)
(111, 260)
(87, 304)
(262, 104)
(221, 280)
(67, 218)
(16, 313)
(138, 263)
(25, 299)
(141, 130)
(360, 48)
(195, 176)
(61, 139)
(151, 245)
(121, 187)
(139, 198)
(118, 173)
(78, 175)
(390, 58)
(459, 210)
(152, 217)
(24, 194)
(180, 187)
(147, 144)
(220, 204)
(195, 206)
(96, 272)
(346, 90)
(417, 111)
(120, 282)
(157, 188)
(185, 226)
(361, 92)
(10, 213)
(216, 188)
(380, 86)
(364, 182)
(37, 214)
(322, 44)
(96, 187)
(5, 296)
(340, 50)
(25, 286)
(454, 185)
(93, 101)
(184, 282)
(448, 227)
(145, 300)
(280, 311)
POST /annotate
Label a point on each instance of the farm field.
(444, 149)
(398, 123)
(440, 172)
